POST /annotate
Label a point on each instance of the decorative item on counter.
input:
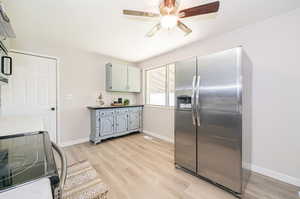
(120, 100)
(100, 100)
(116, 104)
(114, 101)
(126, 102)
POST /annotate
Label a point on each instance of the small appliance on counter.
(5, 65)
(26, 159)
(6, 32)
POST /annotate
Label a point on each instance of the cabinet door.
(134, 79)
(121, 123)
(106, 123)
(134, 119)
(119, 77)
(121, 120)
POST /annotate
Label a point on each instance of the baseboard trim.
(73, 142)
(276, 175)
(266, 172)
(165, 138)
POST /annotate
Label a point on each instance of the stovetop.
(25, 158)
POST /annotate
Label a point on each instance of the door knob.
(53, 109)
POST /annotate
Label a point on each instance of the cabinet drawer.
(105, 113)
(135, 109)
(121, 111)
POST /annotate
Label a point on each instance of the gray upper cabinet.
(134, 79)
(123, 78)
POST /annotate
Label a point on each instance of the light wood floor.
(137, 168)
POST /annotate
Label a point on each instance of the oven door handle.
(63, 162)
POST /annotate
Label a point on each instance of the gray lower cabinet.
(107, 123)
(121, 120)
(134, 119)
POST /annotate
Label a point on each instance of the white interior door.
(31, 91)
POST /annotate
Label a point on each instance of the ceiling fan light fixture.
(171, 16)
(169, 21)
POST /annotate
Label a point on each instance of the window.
(160, 85)
(156, 86)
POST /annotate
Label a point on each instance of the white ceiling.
(99, 26)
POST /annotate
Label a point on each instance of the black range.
(25, 158)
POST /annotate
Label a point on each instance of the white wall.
(82, 78)
(81, 73)
(159, 122)
(273, 46)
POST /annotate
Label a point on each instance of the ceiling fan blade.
(140, 13)
(184, 28)
(154, 30)
(200, 10)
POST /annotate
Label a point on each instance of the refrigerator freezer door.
(185, 79)
(185, 141)
(185, 116)
(220, 130)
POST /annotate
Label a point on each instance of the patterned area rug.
(83, 182)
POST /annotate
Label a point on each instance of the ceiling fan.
(170, 15)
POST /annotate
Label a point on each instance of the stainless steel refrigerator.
(213, 117)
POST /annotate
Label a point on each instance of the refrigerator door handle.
(198, 101)
(193, 101)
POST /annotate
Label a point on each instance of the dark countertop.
(110, 107)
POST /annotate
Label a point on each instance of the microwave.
(6, 32)
(6, 69)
